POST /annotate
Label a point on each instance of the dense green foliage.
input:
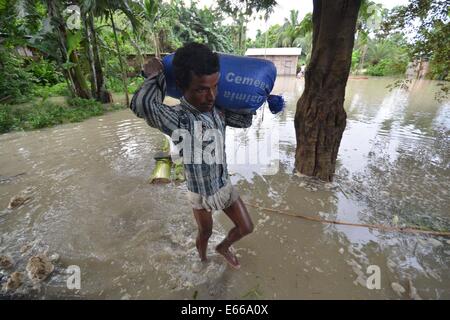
(427, 21)
(46, 114)
(113, 39)
(16, 84)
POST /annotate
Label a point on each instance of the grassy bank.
(43, 114)
(114, 85)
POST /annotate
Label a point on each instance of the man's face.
(202, 91)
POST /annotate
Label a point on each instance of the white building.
(285, 59)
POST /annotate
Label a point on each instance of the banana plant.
(153, 13)
(68, 43)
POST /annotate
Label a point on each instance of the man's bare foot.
(229, 256)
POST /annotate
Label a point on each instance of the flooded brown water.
(92, 205)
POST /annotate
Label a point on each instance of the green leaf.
(73, 41)
(67, 65)
(151, 10)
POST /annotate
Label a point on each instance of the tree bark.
(124, 74)
(90, 55)
(140, 56)
(156, 44)
(101, 94)
(320, 117)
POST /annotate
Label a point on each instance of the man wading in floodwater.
(196, 70)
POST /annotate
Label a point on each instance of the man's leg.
(204, 223)
(238, 213)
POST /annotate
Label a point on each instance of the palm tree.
(238, 30)
(152, 15)
(378, 50)
(289, 32)
(306, 25)
(296, 34)
(304, 40)
(305, 43)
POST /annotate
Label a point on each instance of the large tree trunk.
(320, 118)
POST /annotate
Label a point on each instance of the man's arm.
(147, 103)
(238, 120)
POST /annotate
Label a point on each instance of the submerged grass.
(47, 114)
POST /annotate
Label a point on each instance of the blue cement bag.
(245, 83)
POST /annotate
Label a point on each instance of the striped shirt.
(202, 177)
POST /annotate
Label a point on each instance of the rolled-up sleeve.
(238, 120)
(147, 103)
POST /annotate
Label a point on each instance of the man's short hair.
(194, 58)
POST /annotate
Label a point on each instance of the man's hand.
(153, 67)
